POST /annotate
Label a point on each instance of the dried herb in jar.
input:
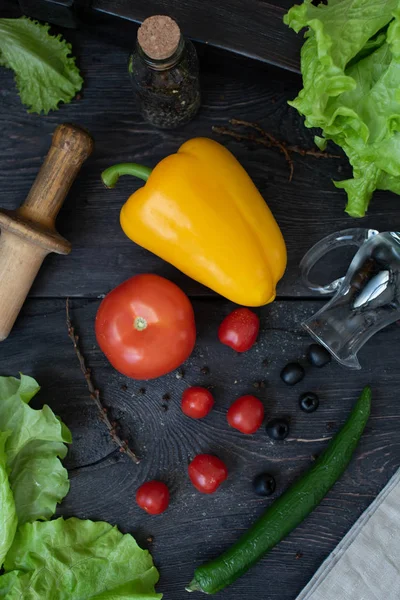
(165, 73)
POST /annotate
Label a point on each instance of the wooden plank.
(103, 482)
(196, 527)
(307, 208)
(56, 12)
(254, 28)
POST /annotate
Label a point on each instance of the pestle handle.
(70, 147)
(28, 234)
(19, 264)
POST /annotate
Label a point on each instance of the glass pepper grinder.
(165, 73)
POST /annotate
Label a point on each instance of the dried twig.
(94, 392)
(312, 152)
(273, 141)
(269, 141)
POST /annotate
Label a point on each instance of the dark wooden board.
(197, 527)
(307, 208)
(254, 28)
(103, 482)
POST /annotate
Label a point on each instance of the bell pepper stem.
(111, 175)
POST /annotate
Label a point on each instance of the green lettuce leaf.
(8, 516)
(337, 32)
(45, 71)
(351, 77)
(372, 44)
(35, 443)
(77, 559)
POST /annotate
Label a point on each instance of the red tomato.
(246, 414)
(239, 329)
(153, 497)
(146, 327)
(207, 472)
(197, 402)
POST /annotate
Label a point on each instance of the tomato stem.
(140, 323)
(111, 175)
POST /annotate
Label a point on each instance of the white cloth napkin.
(366, 563)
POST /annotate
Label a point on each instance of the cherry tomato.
(153, 497)
(239, 329)
(197, 402)
(246, 414)
(207, 472)
(146, 327)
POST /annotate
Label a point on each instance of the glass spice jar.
(165, 73)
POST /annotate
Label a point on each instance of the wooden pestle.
(28, 234)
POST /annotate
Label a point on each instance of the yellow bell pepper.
(201, 212)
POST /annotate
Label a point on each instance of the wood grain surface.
(103, 482)
(254, 28)
(307, 208)
(197, 527)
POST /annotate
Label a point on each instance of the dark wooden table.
(103, 482)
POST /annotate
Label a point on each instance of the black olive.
(309, 402)
(318, 355)
(278, 429)
(292, 373)
(264, 484)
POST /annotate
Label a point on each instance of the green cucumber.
(289, 510)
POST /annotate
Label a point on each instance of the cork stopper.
(159, 36)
